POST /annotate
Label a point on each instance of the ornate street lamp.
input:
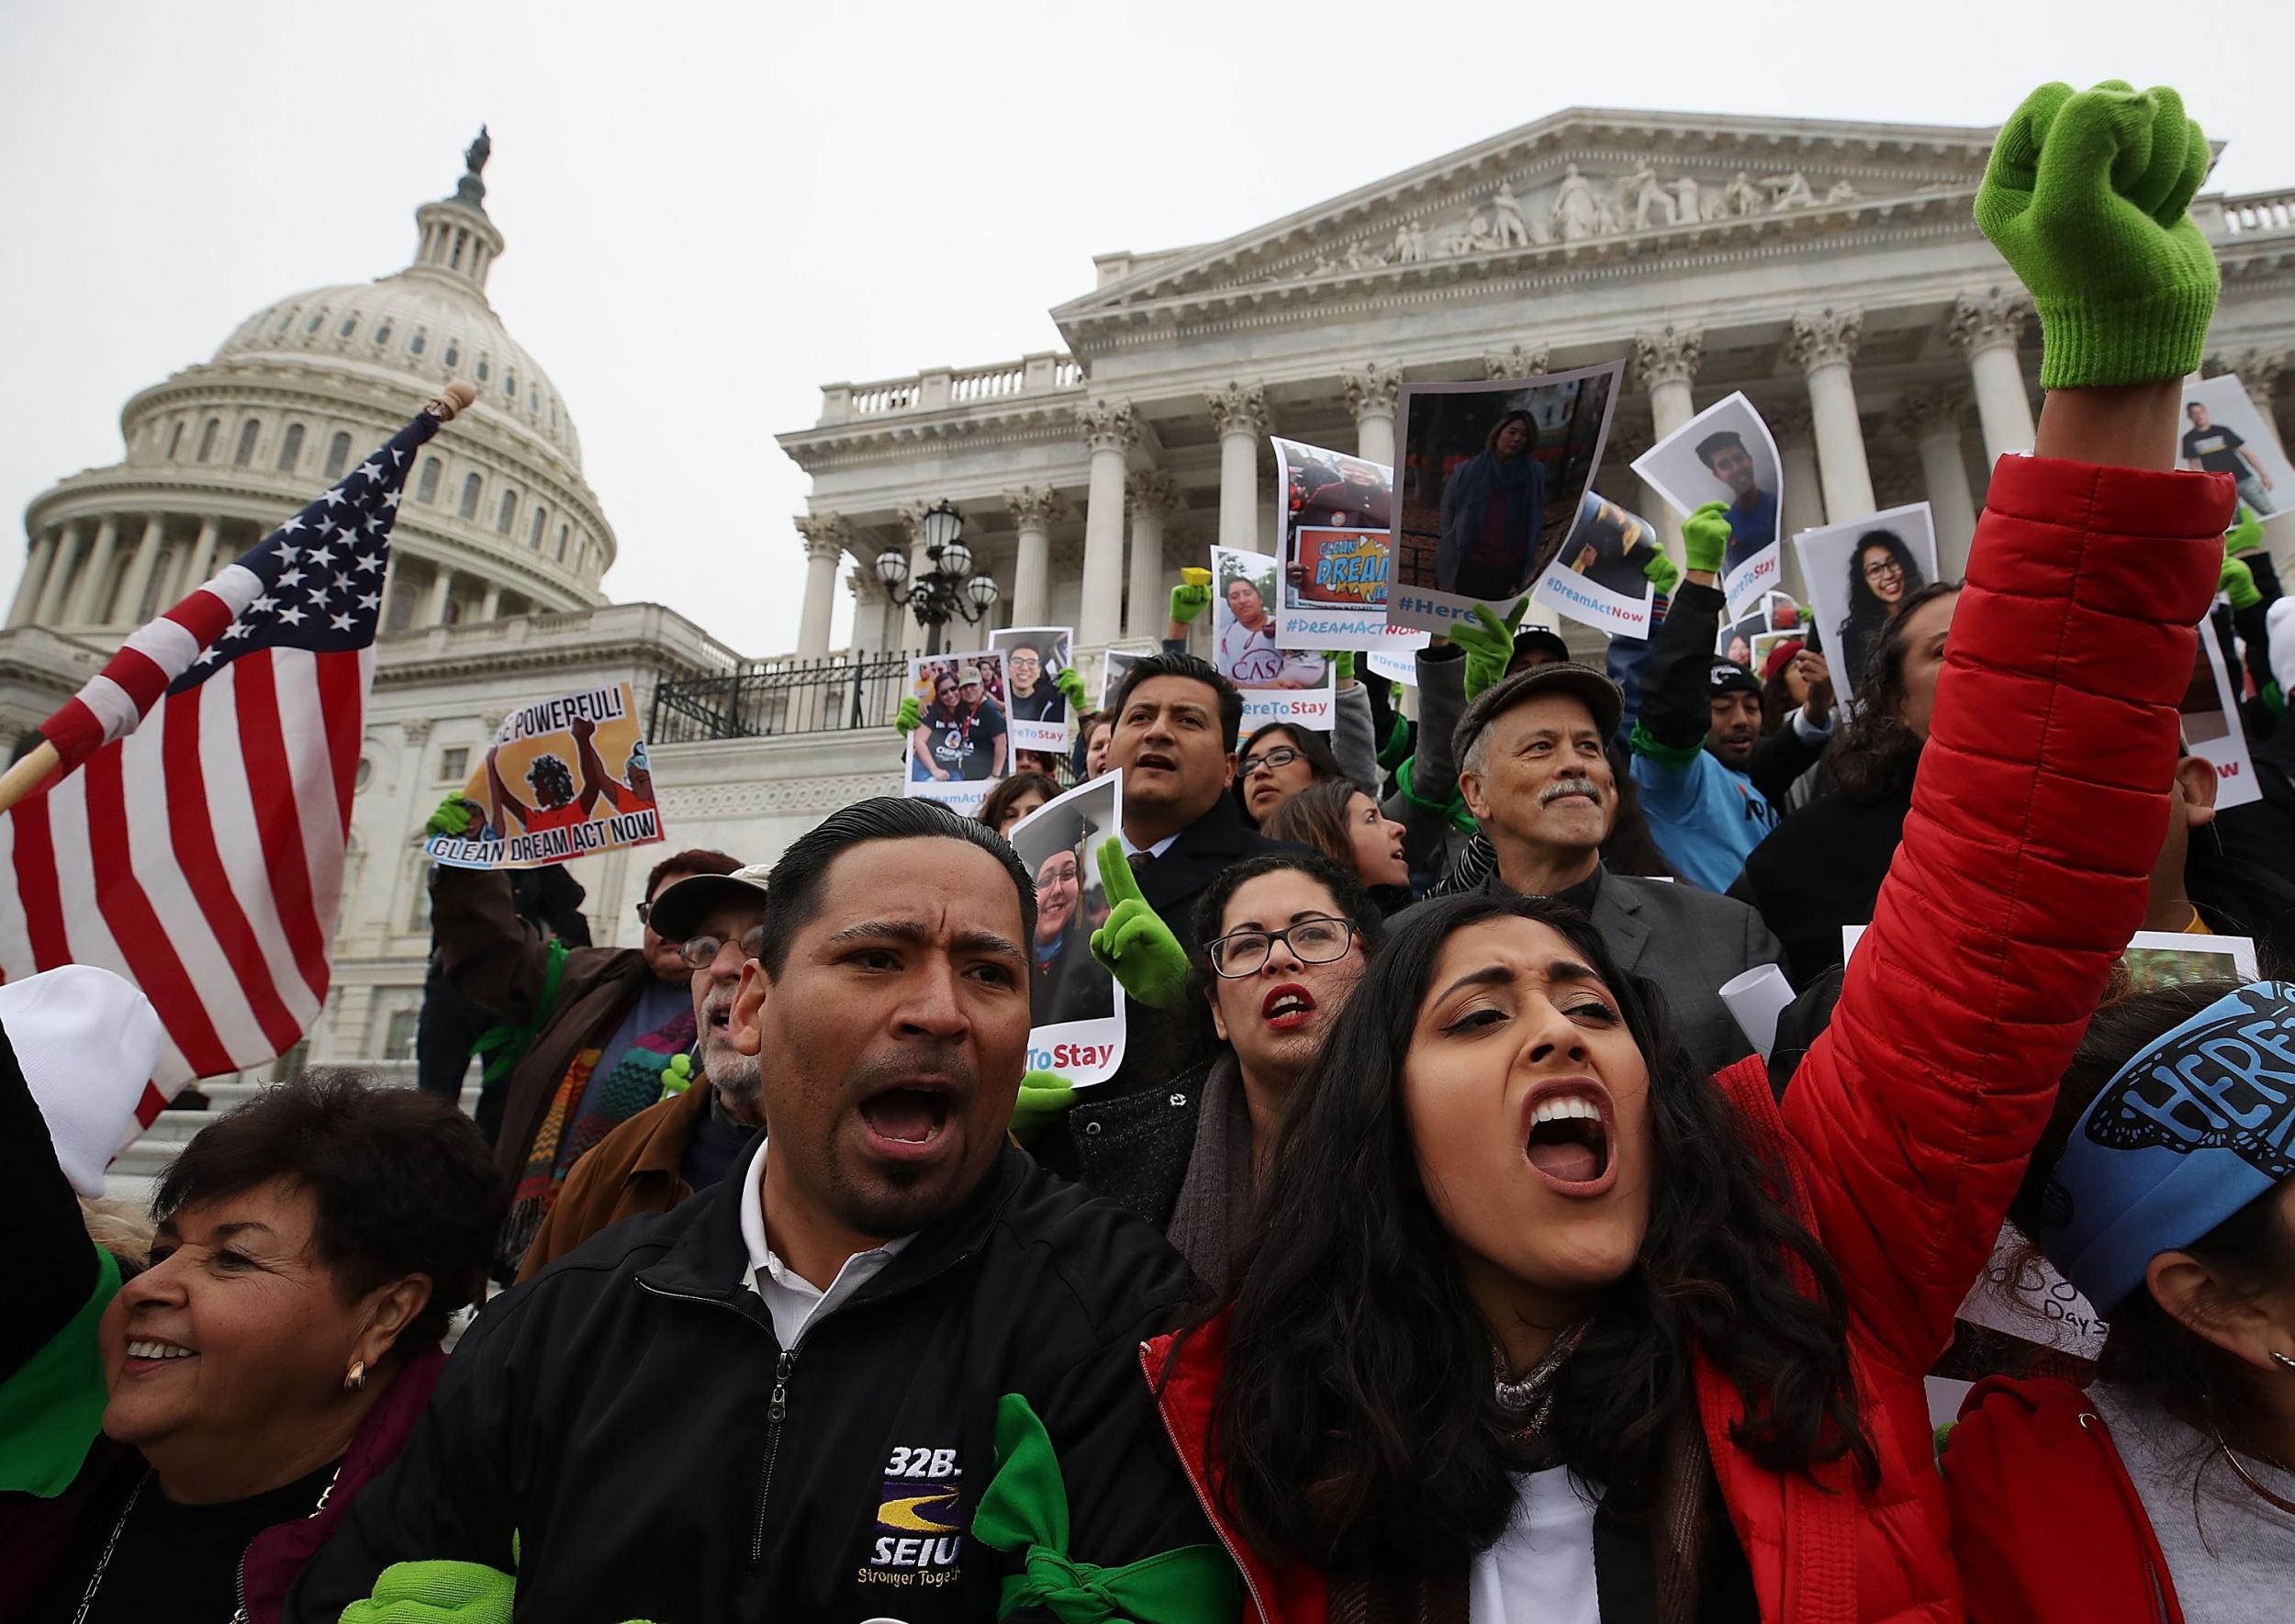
(949, 588)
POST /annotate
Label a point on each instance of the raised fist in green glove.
(1661, 572)
(2085, 197)
(454, 818)
(2238, 582)
(1187, 601)
(1138, 948)
(1070, 685)
(1705, 538)
(1343, 666)
(1488, 644)
(1044, 1095)
(2245, 533)
(911, 717)
(437, 1592)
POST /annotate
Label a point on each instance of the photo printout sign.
(1490, 485)
(1076, 1010)
(1334, 518)
(1037, 712)
(962, 747)
(1279, 684)
(1725, 454)
(1858, 574)
(1597, 579)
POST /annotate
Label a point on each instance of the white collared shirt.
(793, 1301)
(1156, 850)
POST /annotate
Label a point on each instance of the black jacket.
(629, 1414)
(1819, 870)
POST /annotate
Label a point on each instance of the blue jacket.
(1705, 816)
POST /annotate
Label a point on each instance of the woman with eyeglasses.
(1285, 937)
(1278, 761)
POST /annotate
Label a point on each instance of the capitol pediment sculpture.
(1581, 207)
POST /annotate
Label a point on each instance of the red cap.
(1778, 655)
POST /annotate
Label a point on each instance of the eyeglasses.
(1281, 756)
(700, 952)
(645, 912)
(1312, 941)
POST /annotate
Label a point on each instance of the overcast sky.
(711, 210)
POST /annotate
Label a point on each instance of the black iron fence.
(773, 697)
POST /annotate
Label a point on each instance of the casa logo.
(919, 1536)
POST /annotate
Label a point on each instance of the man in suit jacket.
(1535, 773)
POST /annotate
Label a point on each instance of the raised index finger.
(1115, 874)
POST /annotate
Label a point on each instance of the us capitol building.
(1831, 271)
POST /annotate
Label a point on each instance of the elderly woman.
(268, 1364)
(1493, 505)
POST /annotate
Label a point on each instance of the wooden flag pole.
(29, 774)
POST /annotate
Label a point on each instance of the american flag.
(201, 854)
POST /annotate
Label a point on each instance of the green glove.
(1071, 686)
(1661, 572)
(436, 1593)
(1187, 601)
(1138, 948)
(2275, 699)
(2245, 533)
(2238, 582)
(454, 818)
(1342, 666)
(911, 717)
(1489, 645)
(1044, 1095)
(1705, 538)
(2085, 199)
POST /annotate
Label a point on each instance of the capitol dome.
(497, 519)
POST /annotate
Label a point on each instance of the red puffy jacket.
(2040, 804)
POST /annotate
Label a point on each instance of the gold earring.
(356, 1378)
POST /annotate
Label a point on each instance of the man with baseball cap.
(1535, 771)
(696, 1133)
(1700, 723)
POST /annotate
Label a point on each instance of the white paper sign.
(1036, 710)
(1858, 574)
(2212, 728)
(962, 747)
(1492, 479)
(1076, 1026)
(1334, 516)
(1596, 577)
(1279, 684)
(1725, 454)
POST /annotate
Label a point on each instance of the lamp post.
(949, 588)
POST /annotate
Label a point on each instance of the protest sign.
(962, 747)
(1772, 617)
(1036, 710)
(1490, 485)
(1333, 519)
(2211, 726)
(1596, 577)
(1858, 574)
(2220, 432)
(1116, 663)
(547, 787)
(1076, 1010)
(1279, 684)
(1725, 454)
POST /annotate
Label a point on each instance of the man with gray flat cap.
(1535, 773)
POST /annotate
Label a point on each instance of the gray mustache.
(1570, 786)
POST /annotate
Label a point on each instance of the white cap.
(87, 1040)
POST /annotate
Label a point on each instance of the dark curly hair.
(1355, 1415)
(1876, 755)
(400, 1181)
(553, 781)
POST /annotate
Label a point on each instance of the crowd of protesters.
(1445, 1247)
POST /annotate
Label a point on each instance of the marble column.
(1371, 396)
(1108, 432)
(51, 591)
(1518, 361)
(1984, 329)
(1238, 415)
(1153, 494)
(868, 613)
(37, 561)
(1666, 361)
(1033, 508)
(95, 575)
(1794, 429)
(489, 601)
(826, 535)
(137, 580)
(441, 588)
(1933, 417)
(200, 564)
(1823, 345)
